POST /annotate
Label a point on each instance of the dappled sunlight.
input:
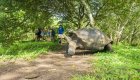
(9, 76)
(46, 66)
(27, 69)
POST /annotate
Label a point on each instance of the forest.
(118, 19)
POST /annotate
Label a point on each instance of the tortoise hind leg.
(108, 47)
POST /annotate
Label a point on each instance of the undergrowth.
(27, 50)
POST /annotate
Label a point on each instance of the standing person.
(43, 34)
(60, 33)
(52, 35)
(48, 34)
(38, 34)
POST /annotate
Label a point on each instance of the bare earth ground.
(53, 66)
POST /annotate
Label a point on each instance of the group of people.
(49, 34)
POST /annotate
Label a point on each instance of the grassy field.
(122, 64)
(27, 50)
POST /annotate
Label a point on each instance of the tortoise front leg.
(70, 51)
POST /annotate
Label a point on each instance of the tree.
(117, 18)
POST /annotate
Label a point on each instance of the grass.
(27, 50)
(122, 64)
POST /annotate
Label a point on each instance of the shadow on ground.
(53, 66)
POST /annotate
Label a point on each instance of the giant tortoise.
(88, 39)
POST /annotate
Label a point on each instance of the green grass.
(122, 64)
(26, 50)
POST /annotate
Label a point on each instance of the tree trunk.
(87, 7)
(119, 32)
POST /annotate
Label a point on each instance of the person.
(45, 34)
(48, 35)
(38, 34)
(60, 33)
(52, 35)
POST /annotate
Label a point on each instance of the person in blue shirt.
(60, 33)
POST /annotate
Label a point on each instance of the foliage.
(122, 64)
(20, 17)
(118, 19)
(27, 50)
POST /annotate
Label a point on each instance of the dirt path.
(53, 66)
